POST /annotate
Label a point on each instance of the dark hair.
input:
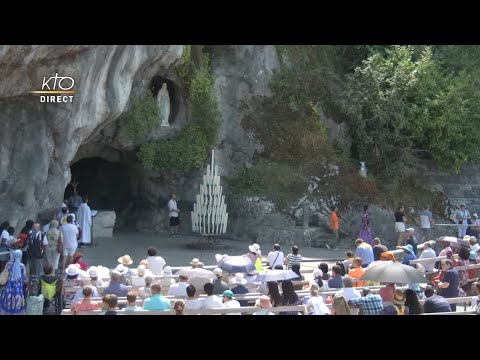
(411, 300)
(276, 247)
(296, 269)
(64, 210)
(464, 254)
(447, 261)
(69, 219)
(191, 290)
(365, 292)
(156, 288)
(152, 251)
(332, 208)
(429, 291)
(280, 267)
(289, 296)
(132, 296)
(426, 207)
(29, 224)
(399, 207)
(349, 253)
(208, 288)
(337, 269)
(324, 267)
(85, 198)
(274, 293)
(11, 230)
(365, 207)
(111, 300)
(4, 225)
(47, 269)
(87, 290)
(172, 193)
(295, 250)
(319, 282)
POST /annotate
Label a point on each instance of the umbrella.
(394, 273)
(276, 275)
(453, 241)
(234, 264)
(378, 262)
(196, 273)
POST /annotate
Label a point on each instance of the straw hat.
(125, 260)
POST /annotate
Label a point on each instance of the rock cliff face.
(41, 143)
(40, 140)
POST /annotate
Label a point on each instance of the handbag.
(4, 276)
(60, 244)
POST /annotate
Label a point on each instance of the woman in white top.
(316, 302)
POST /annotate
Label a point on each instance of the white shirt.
(319, 307)
(156, 265)
(69, 232)
(178, 289)
(475, 247)
(350, 293)
(172, 204)
(193, 304)
(428, 253)
(272, 255)
(425, 221)
(232, 304)
(5, 235)
(212, 302)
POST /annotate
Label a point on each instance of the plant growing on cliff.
(141, 117)
(189, 149)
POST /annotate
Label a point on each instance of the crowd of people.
(38, 253)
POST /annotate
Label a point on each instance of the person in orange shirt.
(357, 272)
(334, 222)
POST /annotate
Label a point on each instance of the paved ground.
(106, 251)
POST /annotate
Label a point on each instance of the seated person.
(86, 303)
(78, 259)
(110, 301)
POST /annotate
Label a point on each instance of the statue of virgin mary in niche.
(163, 100)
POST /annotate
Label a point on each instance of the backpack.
(35, 244)
(340, 305)
(400, 311)
(49, 290)
(342, 268)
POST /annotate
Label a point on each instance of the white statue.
(163, 100)
(363, 169)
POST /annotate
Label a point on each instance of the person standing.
(37, 247)
(365, 232)
(12, 299)
(426, 221)
(400, 224)
(173, 214)
(84, 221)
(334, 223)
(55, 243)
(462, 215)
(74, 202)
(70, 234)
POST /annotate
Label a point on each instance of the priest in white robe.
(84, 221)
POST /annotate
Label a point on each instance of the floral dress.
(12, 299)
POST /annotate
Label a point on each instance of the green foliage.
(185, 68)
(189, 149)
(141, 118)
(278, 182)
(406, 104)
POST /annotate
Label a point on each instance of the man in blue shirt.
(156, 301)
(364, 251)
(335, 282)
(409, 255)
(115, 287)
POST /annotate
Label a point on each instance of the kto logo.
(56, 89)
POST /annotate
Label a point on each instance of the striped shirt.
(292, 259)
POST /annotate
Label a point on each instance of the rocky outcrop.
(40, 140)
(103, 224)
